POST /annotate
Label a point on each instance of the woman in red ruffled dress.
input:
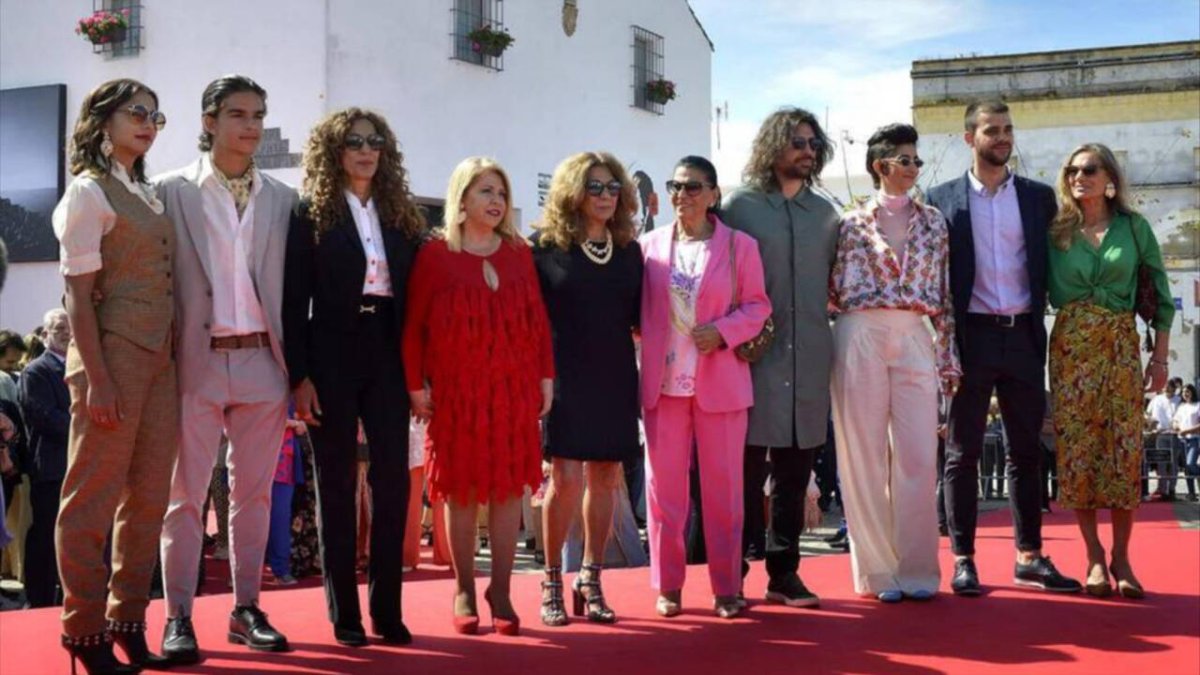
(479, 367)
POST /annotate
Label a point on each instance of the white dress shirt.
(1187, 415)
(378, 280)
(236, 307)
(1001, 276)
(83, 216)
(1162, 410)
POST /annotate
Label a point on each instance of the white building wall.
(556, 95)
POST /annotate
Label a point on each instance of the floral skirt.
(1096, 389)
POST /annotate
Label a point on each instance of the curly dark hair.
(98, 106)
(325, 180)
(773, 137)
(562, 220)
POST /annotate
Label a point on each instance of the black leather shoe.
(248, 626)
(130, 636)
(1042, 574)
(179, 641)
(791, 591)
(966, 578)
(351, 636)
(392, 633)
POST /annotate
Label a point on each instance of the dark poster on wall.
(32, 157)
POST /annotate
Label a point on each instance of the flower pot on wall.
(116, 36)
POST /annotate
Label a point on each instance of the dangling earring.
(1110, 190)
(106, 146)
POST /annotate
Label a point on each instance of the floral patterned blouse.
(867, 273)
(688, 259)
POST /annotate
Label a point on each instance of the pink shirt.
(1001, 274)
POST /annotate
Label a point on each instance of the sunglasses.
(906, 161)
(596, 188)
(801, 142)
(691, 187)
(140, 114)
(1086, 169)
(356, 142)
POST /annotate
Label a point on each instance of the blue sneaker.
(890, 596)
(921, 594)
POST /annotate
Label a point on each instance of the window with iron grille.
(470, 15)
(132, 44)
(647, 67)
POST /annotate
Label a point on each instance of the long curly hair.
(1070, 216)
(774, 136)
(97, 108)
(562, 220)
(325, 180)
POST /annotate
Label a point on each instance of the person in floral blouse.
(889, 274)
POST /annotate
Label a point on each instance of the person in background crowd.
(12, 350)
(1098, 243)
(231, 222)
(117, 250)
(351, 248)
(796, 229)
(480, 368)
(1161, 414)
(590, 269)
(288, 474)
(1187, 424)
(35, 346)
(702, 297)
(46, 402)
(998, 223)
(891, 272)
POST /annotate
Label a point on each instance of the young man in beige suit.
(231, 224)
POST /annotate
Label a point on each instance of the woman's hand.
(547, 396)
(1155, 377)
(422, 404)
(103, 403)
(707, 338)
(298, 427)
(308, 408)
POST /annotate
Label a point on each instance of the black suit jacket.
(327, 272)
(46, 404)
(1038, 207)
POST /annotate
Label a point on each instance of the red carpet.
(1007, 631)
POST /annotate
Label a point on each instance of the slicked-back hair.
(987, 105)
(215, 94)
(883, 144)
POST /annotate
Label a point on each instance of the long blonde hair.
(464, 176)
(1070, 216)
(562, 219)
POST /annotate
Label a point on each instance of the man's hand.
(308, 407)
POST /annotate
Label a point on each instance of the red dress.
(484, 354)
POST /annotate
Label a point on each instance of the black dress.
(593, 310)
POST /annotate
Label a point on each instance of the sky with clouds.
(848, 61)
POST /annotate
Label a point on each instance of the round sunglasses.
(140, 114)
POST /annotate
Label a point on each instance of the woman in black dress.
(590, 268)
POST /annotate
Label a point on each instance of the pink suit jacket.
(722, 379)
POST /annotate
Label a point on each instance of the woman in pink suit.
(699, 302)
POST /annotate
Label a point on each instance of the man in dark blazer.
(47, 407)
(349, 256)
(998, 225)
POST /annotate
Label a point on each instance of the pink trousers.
(673, 428)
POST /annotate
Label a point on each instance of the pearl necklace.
(599, 253)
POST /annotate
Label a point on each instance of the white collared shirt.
(377, 281)
(1001, 275)
(83, 216)
(236, 307)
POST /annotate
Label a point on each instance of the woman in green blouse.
(1096, 379)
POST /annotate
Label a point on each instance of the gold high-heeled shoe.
(1098, 584)
(1127, 588)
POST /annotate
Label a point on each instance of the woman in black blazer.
(350, 250)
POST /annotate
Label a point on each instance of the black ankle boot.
(96, 653)
(130, 636)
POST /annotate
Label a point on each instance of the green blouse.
(1107, 276)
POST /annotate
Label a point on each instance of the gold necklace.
(599, 253)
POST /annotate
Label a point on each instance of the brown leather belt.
(251, 341)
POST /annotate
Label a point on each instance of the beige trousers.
(885, 421)
(119, 479)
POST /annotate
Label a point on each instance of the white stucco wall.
(556, 95)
